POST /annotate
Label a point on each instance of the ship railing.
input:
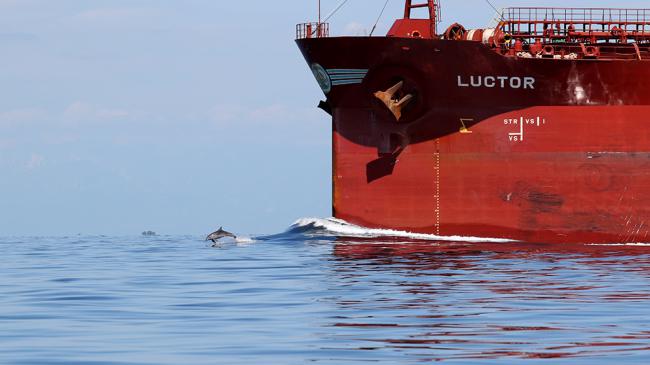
(577, 24)
(312, 30)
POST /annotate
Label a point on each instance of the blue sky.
(176, 116)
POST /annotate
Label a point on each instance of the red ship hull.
(536, 150)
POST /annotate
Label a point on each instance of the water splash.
(244, 240)
(631, 244)
(333, 227)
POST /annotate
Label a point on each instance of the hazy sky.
(118, 116)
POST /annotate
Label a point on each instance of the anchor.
(393, 104)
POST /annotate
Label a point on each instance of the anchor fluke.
(393, 104)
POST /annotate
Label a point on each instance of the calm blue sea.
(312, 296)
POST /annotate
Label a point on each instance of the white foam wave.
(639, 244)
(341, 228)
(244, 240)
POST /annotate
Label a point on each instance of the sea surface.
(323, 292)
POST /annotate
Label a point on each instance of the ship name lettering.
(503, 82)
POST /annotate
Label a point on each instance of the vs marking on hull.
(521, 122)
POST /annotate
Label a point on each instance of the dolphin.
(219, 234)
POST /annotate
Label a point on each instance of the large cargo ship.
(536, 130)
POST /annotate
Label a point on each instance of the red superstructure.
(535, 130)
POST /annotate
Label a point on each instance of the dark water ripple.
(300, 298)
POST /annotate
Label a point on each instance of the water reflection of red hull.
(499, 301)
(472, 138)
(357, 248)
